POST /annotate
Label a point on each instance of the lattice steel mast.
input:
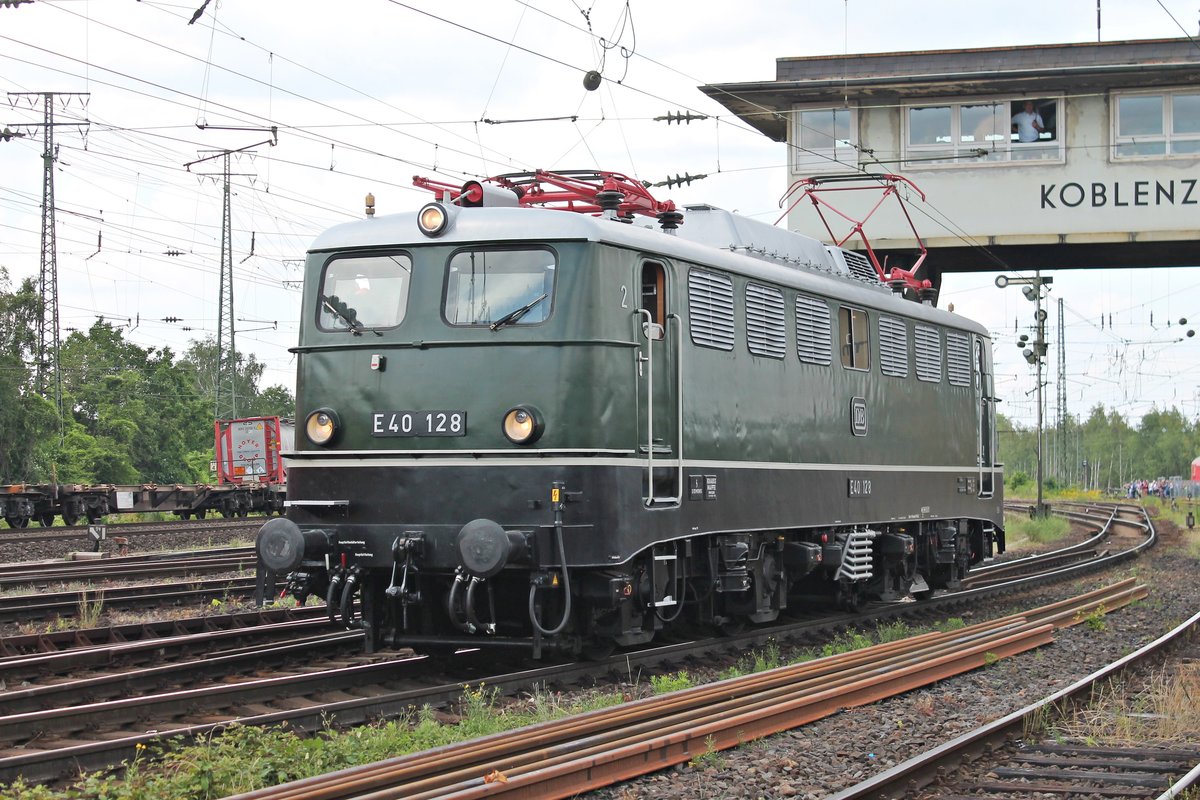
(1060, 410)
(48, 374)
(225, 377)
(225, 406)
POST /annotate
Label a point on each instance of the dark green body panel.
(775, 434)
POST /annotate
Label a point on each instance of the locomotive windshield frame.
(364, 291)
(486, 284)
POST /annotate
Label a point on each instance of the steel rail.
(917, 772)
(141, 663)
(1104, 525)
(102, 571)
(565, 757)
(130, 529)
(23, 646)
(921, 770)
(53, 567)
(26, 607)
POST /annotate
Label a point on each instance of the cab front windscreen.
(487, 286)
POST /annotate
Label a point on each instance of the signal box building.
(1049, 156)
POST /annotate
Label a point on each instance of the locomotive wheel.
(70, 519)
(201, 513)
(227, 513)
(849, 598)
(598, 648)
(185, 515)
(732, 626)
(46, 520)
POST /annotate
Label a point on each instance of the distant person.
(1028, 124)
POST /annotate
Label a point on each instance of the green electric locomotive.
(550, 411)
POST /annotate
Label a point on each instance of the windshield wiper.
(346, 314)
(516, 314)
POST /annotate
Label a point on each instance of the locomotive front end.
(447, 417)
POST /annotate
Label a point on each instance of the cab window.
(856, 350)
(493, 286)
(364, 292)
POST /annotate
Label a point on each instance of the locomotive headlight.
(434, 218)
(322, 426)
(523, 425)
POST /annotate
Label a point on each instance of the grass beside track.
(1021, 531)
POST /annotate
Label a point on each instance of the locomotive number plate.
(419, 423)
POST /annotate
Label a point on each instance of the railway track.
(1065, 770)
(566, 757)
(1106, 521)
(249, 527)
(126, 568)
(365, 690)
(26, 608)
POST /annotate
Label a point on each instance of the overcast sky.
(367, 94)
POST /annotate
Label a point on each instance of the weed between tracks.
(1022, 532)
(1164, 707)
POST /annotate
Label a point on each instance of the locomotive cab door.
(659, 407)
(985, 417)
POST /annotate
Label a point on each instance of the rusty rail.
(565, 757)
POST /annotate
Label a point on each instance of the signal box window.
(1163, 124)
(364, 293)
(855, 338)
(982, 131)
(826, 140)
(496, 287)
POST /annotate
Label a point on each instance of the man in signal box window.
(1027, 124)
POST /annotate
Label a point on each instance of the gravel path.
(839, 751)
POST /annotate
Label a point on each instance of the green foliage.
(845, 642)
(1020, 527)
(951, 624)
(671, 682)
(200, 363)
(132, 414)
(1018, 481)
(1161, 444)
(1095, 619)
(711, 757)
(26, 418)
(892, 631)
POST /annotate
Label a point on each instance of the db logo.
(858, 416)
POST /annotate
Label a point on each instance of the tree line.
(1103, 451)
(131, 414)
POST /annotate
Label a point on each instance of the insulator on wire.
(681, 117)
(686, 179)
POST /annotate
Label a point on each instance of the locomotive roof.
(715, 238)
